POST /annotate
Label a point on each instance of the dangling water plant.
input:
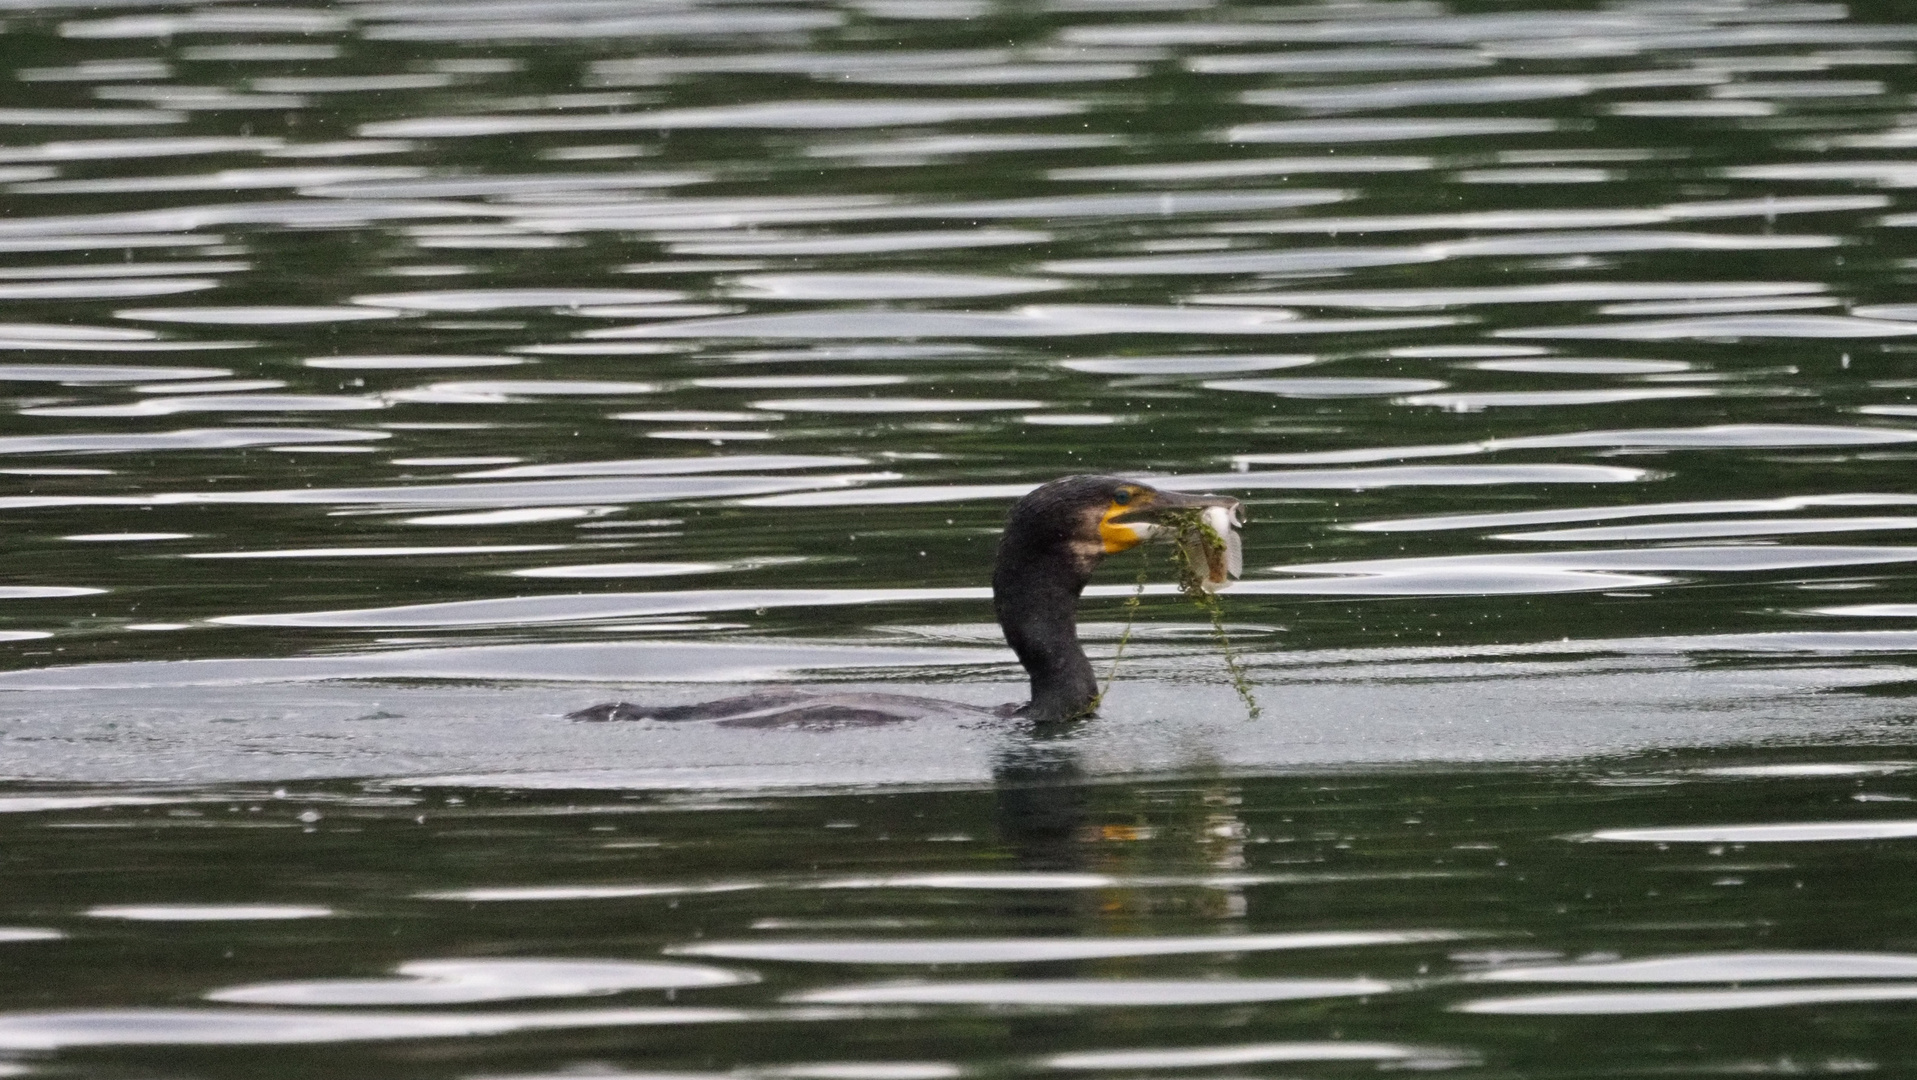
(1125, 636)
(1206, 559)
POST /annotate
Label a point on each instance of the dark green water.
(1495, 921)
(385, 380)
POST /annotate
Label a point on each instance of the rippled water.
(1695, 915)
(386, 380)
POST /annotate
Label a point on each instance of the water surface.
(383, 381)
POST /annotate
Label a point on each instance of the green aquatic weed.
(1125, 636)
(1191, 533)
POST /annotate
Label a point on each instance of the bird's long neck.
(1035, 591)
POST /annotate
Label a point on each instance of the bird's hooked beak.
(1143, 514)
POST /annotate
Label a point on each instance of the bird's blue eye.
(1122, 498)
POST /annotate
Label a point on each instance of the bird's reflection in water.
(1175, 851)
(1041, 805)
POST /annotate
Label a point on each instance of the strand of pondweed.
(1191, 526)
(1125, 636)
(1239, 680)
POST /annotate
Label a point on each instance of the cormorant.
(1054, 538)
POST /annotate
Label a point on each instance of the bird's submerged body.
(797, 707)
(1054, 539)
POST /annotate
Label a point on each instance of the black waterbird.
(1054, 538)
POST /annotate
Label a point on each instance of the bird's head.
(1096, 516)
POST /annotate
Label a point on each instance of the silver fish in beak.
(1214, 551)
(1205, 528)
